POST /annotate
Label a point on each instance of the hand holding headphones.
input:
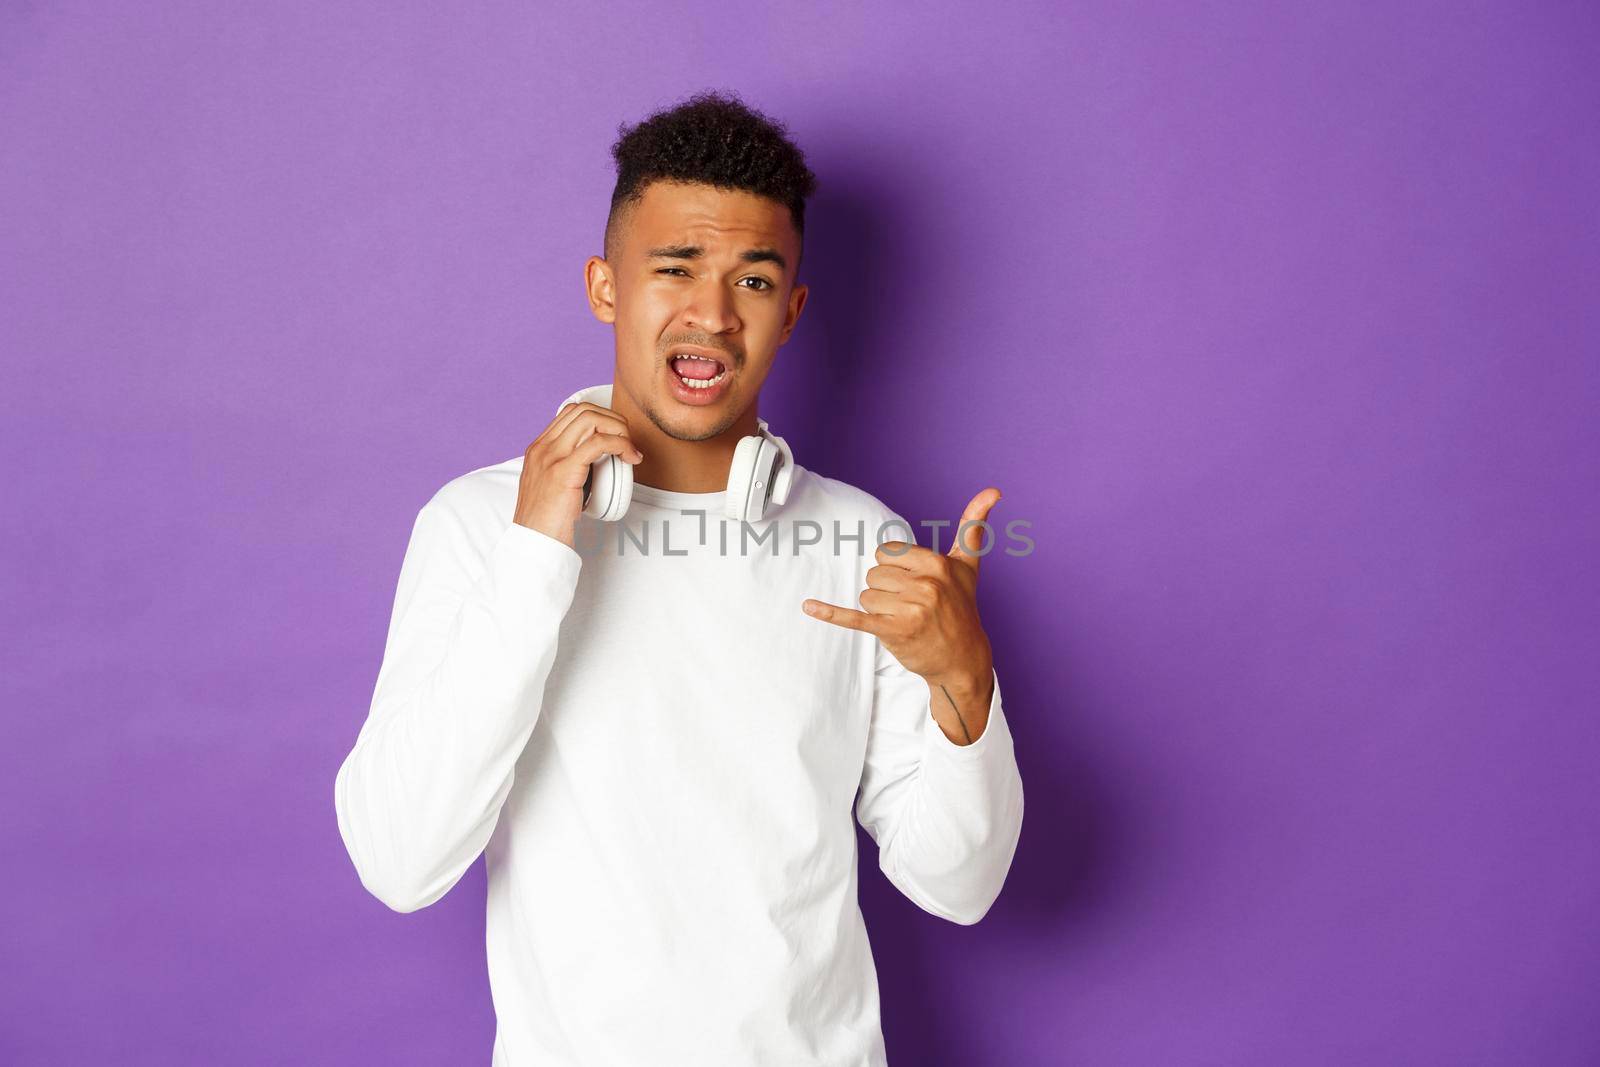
(558, 466)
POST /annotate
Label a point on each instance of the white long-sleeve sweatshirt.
(658, 754)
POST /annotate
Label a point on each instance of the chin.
(701, 424)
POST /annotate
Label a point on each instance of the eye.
(666, 270)
(765, 285)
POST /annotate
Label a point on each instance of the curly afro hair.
(713, 138)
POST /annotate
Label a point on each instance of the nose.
(710, 308)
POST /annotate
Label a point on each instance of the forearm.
(959, 821)
(420, 793)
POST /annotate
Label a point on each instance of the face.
(698, 271)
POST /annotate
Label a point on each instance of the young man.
(658, 742)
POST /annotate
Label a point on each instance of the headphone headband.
(594, 394)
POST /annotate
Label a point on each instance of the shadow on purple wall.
(865, 245)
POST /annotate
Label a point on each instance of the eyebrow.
(749, 255)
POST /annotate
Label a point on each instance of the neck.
(679, 466)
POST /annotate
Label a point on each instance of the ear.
(601, 288)
(797, 300)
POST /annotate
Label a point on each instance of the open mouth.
(697, 371)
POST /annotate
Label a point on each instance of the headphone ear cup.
(750, 480)
(609, 489)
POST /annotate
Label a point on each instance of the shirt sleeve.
(471, 642)
(946, 817)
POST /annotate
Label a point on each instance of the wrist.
(968, 689)
(963, 685)
(960, 706)
(968, 679)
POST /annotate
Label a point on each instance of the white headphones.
(762, 470)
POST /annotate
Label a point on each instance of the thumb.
(969, 535)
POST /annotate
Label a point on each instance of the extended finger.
(845, 617)
(968, 543)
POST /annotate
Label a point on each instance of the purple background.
(1280, 327)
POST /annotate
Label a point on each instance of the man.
(657, 743)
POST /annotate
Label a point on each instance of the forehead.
(697, 214)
